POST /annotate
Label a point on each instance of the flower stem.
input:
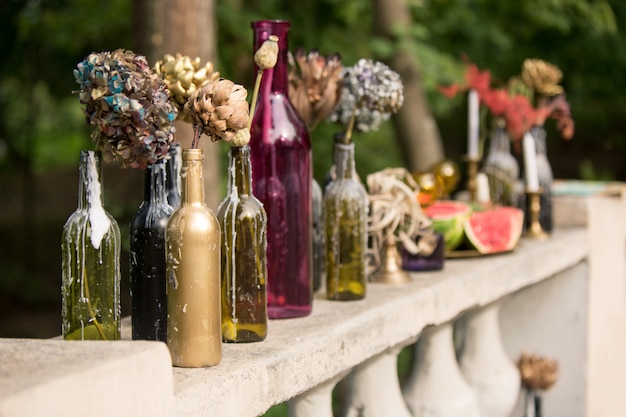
(348, 135)
(255, 94)
(92, 314)
(197, 132)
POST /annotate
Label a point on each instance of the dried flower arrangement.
(537, 373)
(370, 92)
(128, 105)
(524, 101)
(314, 84)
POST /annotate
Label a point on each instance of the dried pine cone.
(537, 373)
(184, 76)
(220, 109)
(543, 77)
(314, 84)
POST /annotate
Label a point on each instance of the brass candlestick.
(391, 271)
(472, 172)
(535, 231)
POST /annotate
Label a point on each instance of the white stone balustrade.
(302, 359)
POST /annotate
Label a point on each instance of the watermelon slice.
(494, 230)
(449, 218)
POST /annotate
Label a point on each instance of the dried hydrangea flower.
(542, 77)
(128, 106)
(220, 109)
(314, 84)
(370, 92)
(183, 76)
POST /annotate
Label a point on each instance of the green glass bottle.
(345, 203)
(91, 262)
(243, 223)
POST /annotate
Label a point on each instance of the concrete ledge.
(299, 354)
(97, 379)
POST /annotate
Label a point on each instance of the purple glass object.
(280, 150)
(432, 262)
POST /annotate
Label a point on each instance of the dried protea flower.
(266, 56)
(220, 109)
(542, 77)
(183, 76)
(128, 106)
(314, 84)
(371, 91)
(537, 373)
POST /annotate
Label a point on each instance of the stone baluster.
(374, 389)
(316, 402)
(486, 365)
(436, 387)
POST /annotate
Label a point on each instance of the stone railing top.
(133, 378)
(299, 354)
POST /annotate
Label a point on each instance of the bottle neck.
(275, 79)
(154, 184)
(192, 186)
(89, 188)
(240, 171)
(344, 160)
(500, 142)
(173, 169)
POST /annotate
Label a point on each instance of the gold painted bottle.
(91, 262)
(244, 260)
(345, 203)
(193, 273)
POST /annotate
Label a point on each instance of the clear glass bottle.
(346, 206)
(280, 149)
(192, 238)
(319, 235)
(173, 165)
(501, 168)
(244, 259)
(147, 258)
(91, 262)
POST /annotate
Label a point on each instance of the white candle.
(482, 188)
(472, 144)
(530, 163)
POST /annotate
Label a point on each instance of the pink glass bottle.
(280, 149)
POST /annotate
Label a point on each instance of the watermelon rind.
(449, 217)
(494, 230)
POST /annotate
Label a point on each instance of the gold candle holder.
(391, 271)
(472, 172)
(535, 231)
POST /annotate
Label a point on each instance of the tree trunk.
(187, 27)
(416, 129)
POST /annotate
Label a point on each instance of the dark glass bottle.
(544, 173)
(192, 238)
(501, 167)
(280, 149)
(345, 203)
(91, 262)
(243, 224)
(174, 163)
(147, 258)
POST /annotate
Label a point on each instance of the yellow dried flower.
(537, 373)
(266, 56)
(542, 77)
(183, 76)
(220, 109)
